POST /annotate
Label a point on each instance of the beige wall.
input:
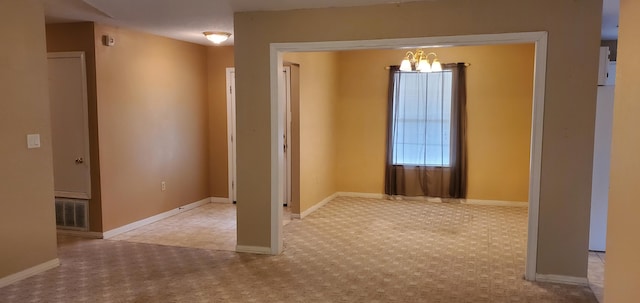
(152, 121)
(218, 58)
(27, 218)
(79, 37)
(317, 114)
(499, 100)
(570, 95)
(622, 271)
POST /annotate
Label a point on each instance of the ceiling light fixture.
(419, 61)
(217, 37)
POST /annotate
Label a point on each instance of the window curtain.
(426, 142)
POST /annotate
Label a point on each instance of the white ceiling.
(610, 16)
(187, 19)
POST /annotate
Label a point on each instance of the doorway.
(284, 106)
(70, 139)
(538, 38)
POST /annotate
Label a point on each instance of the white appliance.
(602, 153)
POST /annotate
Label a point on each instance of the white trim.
(463, 201)
(85, 112)
(494, 203)
(231, 133)
(82, 234)
(427, 199)
(131, 226)
(29, 272)
(315, 207)
(287, 112)
(540, 40)
(361, 195)
(253, 249)
(424, 42)
(562, 279)
(535, 166)
(220, 200)
(71, 195)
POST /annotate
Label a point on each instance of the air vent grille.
(72, 214)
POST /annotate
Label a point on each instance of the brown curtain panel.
(426, 142)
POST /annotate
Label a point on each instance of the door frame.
(538, 38)
(85, 118)
(231, 135)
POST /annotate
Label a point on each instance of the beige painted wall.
(317, 112)
(499, 100)
(67, 37)
(218, 59)
(27, 218)
(570, 96)
(152, 121)
(622, 271)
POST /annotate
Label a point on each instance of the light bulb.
(423, 66)
(405, 66)
(436, 66)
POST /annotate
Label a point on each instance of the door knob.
(79, 160)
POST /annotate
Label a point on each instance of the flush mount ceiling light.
(217, 37)
(419, 61)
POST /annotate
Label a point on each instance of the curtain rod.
(465, 64)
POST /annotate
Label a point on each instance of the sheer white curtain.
(426, 148)
(422, 118)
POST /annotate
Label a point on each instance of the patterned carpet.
(351, 250)
(211, 226)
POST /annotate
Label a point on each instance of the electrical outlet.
(163, 185)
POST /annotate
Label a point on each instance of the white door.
(69, 125)
(601, 167)
(231, 132)
(286, 169)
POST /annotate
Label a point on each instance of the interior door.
(601, 168)
(69, 125)
(286, 107)
(231, 132)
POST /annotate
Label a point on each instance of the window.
(422, 118)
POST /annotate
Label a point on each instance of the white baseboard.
(384, 196)
(253, 249)
(361, 195)
(131, 226)
(82, 234)
(562, 279)
(315, 207)
(32, 271)
(494, 203)
(463, 201)
(220, 200)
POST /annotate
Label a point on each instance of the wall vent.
(72, 214)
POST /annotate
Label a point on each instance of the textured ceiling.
(187, 19)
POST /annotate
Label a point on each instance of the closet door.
(69, 125)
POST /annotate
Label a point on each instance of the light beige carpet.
(211, 226)
(351, 250)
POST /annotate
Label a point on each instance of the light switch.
(33, 141)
